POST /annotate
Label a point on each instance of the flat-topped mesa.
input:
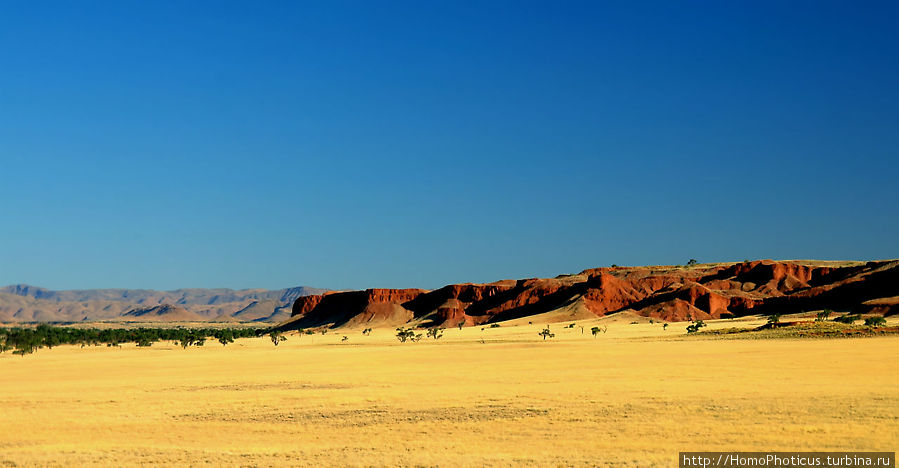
(667, 293)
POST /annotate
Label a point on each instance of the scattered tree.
(875, 321)
(277, 337)
(848, 319)
(144, 342)
(773, 319)
(664, 326)
(823, 315)
(435, 333)
(546, 333)
(695, 326)
(691, 262)
(404, 334)
(224, 336)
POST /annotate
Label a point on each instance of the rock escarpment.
(667, 293)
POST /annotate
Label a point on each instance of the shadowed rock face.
(667, 293)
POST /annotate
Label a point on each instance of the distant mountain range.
(26, 303)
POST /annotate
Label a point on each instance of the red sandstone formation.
(666, 293)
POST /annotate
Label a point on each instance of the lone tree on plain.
(595, 331)
(546, 333)
(692, 262)
(664, 326)
(773, 319)
(277, 337)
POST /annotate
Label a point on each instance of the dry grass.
(501, 396)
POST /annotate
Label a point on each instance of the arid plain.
(633, 396)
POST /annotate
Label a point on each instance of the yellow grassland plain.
(633, 396)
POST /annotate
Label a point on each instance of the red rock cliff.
(667, 293)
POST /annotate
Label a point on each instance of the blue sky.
(415, 144)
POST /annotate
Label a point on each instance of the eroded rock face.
(667, 293)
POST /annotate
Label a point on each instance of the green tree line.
(24, 341)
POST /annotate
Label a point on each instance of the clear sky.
(415, 144)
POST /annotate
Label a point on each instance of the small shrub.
(494, 325)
